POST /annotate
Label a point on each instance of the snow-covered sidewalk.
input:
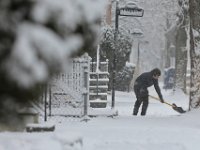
(162, 128)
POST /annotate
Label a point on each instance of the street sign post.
(130, 11)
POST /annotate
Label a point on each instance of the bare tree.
(176, 38)
(194, 9)
(181, 45)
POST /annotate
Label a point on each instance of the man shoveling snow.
(141, 84)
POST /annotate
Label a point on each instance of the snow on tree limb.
(54, 30)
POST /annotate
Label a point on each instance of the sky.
(162, 128)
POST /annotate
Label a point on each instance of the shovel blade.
(178, 109)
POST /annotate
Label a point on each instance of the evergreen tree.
(36, 39)
(122, 50)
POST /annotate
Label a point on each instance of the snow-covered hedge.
(36, 39)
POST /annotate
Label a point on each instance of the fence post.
(45, 102)
(50, 100)
(86, 93)
(107, 65)
(86, 86)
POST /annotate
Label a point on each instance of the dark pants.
(142, 98)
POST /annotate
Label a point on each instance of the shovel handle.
(159, 100)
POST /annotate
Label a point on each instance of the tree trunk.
(194, 53)
(181, 58)
(167, 47)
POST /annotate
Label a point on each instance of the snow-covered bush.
(36, 39)
(124, 77)
(122, 50)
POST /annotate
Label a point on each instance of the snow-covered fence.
(68, 92)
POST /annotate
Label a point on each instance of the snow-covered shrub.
(36, 39)
(122, 50)
(124, 77)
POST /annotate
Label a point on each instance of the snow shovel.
(176, 108)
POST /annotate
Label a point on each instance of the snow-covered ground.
(161, 129)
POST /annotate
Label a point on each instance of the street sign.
(134, 12)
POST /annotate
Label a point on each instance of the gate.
(68, 92)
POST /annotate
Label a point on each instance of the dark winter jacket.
(146, 80)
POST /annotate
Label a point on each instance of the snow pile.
(40, 141)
